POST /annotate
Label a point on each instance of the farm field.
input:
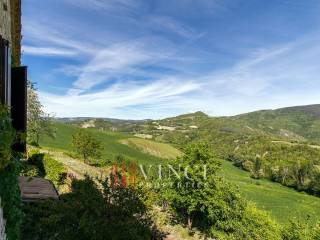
(281, 202)
(111, 143)
(157, 149)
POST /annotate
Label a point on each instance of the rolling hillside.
(111, 142)
(280, 142)
(296, 124)
(281, 202)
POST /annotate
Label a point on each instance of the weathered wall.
(15, 7)
(10, 27)
(5, 19)
(2, 224)
(5, 32)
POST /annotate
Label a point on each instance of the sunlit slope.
(157, 149)
(283, 203)
(111, 142)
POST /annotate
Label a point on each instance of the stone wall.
(5, 19)
(2, 224)
(5, 32)
(15, 6)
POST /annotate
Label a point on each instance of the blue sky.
(136, 59)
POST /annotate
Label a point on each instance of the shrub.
(297, 230)
(215, 207)
(55, 171)
(87, 213)
(11, 201)
(47, 167)
(7, 136)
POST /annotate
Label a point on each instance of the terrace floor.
(35, 189)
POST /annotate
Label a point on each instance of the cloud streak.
(154, 64)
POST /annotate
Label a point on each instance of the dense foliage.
(212, 204)
(89, 213)
(10, 199)
(9, 169)
(43, 165)
(7, 136)
(297, 230)
(292, 165)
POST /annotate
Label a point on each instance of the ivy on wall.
(7, 135)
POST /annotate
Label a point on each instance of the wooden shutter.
(19, 104)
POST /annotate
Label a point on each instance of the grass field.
(281, 202)
(157, 149)
(110, 141)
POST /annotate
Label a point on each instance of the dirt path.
(295, 144)
(77, 166)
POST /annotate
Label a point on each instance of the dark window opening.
(5, 72)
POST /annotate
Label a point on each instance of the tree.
(300, 172)
(213, 205)
(256, 171)
(86, 145)
(38, 122)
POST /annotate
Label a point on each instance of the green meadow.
(111, 142)
(281, 202)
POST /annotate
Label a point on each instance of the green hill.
(274, 144)
(112, 146)
(295, 123)
(281, 202)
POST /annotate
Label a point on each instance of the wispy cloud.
(134, 61)
(109, 5)
(39, 35)
(164, 23)
(48, 51)
(156, 95)
(111, 62)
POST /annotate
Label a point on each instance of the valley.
(232, 138)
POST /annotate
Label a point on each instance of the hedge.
(10, 199)
(7, 135)
(47, 167)
(9, 171)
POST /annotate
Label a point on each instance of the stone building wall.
(5, 19)
(15, 7)
(5, 32)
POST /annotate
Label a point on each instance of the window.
(5, 72)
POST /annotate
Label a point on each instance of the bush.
(55, 171)
(47, 167)
(7, 136)
(213, 205)
(87, 213)
(297, 230)
(42, 165)
(11, 201)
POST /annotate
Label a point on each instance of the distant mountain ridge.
(297, 123)
(275, 144)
